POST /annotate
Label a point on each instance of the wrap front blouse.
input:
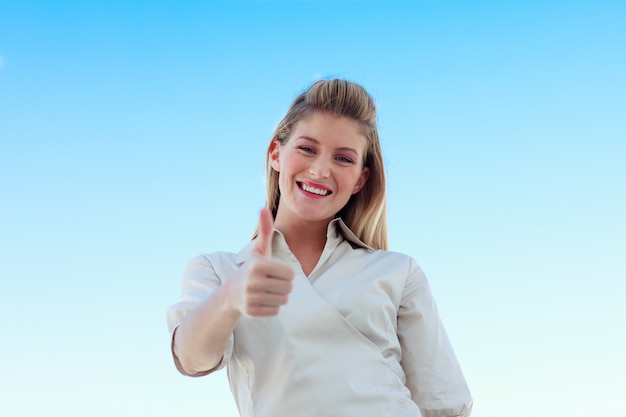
(360, 336)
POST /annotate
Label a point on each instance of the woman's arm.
(257, 289)
(200, 340)
(433, 373)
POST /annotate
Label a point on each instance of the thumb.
(263, 244)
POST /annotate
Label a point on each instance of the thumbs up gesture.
(262, 285)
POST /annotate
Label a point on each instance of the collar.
(337, 231)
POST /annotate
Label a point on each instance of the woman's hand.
(262, 285)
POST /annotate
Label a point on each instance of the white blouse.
(360, 336)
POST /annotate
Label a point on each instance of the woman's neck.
(306, 240)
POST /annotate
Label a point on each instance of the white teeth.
(314, 190)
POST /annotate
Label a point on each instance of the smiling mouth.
(313, 190)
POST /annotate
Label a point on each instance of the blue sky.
(132, 137)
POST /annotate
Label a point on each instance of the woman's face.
(320, 166)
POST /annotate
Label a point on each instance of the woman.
(315, 317)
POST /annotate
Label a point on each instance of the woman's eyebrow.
(343, 149)
(309, 138)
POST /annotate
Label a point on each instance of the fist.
(262, 285)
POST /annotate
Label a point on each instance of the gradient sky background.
(132, 137)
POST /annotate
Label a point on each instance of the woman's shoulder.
(393, 256)
(222, 257)
(215, 260)
(210, 266)
(401, 263)
(394, 263)
(210, 257)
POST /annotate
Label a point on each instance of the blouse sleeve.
(433, 374)
(200, 279)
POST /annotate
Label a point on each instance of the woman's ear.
(365, 174)
(275, 154)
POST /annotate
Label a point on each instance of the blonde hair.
(366, 212)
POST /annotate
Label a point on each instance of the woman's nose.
(320, 168)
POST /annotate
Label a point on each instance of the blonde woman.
(315, 317)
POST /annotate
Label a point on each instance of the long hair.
(366, 211)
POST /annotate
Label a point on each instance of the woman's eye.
(344, 160)
(307, 149)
